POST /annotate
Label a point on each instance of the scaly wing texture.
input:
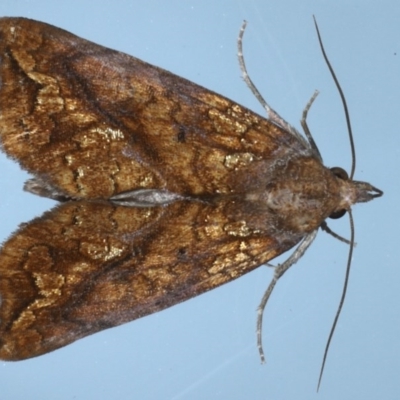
(65, 101)
(88, 266)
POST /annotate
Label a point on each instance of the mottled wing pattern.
(87, 266)
(70, 101)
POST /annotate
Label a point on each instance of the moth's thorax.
(305, 193)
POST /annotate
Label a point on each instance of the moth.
(166, 189)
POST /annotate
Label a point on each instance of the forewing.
(88, 266)
(65, 102)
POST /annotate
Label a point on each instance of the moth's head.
(304, 193)
(352, 192)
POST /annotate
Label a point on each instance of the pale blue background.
(206, 347)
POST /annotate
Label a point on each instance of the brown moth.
(168, 190)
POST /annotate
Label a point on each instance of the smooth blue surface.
(206, 347)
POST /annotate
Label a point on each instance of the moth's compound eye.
(340, 173)
(337, 214)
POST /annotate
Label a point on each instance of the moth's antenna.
(346, 111)
(346, 281)
(353, 167)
